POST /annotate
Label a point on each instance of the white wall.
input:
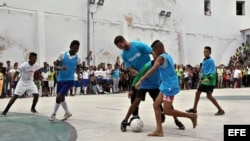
(48, 27)
(221, 30)
(17, 34)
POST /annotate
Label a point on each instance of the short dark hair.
(119, 39)
(157, 44)
(156, 41)
(74, 42)
(32, 54)
(208, 48)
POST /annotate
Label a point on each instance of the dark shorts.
(206, 89)
(152, 92)
(63, 87)
(45, 84)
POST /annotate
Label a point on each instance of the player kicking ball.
(169, 87)
(140, 96)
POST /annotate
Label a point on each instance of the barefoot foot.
(156, 134)
(194, 120)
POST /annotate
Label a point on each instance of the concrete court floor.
(98, 117)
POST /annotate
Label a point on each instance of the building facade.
(185, 26)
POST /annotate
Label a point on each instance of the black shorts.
(152, 92)
(45, 84)
(206, 89)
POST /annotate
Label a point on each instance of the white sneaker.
(53, 117)
(66, 116)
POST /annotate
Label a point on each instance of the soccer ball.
(136, 125)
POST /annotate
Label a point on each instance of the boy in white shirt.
(26, 83)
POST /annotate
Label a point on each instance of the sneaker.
(220, 112)
(179, 124)
(53, 117)
(34, 111)
(66, 116)
(123, 126)
(162, 118)
(191, 110)
(132, 118)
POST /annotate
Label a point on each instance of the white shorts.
(51, 83)
(25, 86)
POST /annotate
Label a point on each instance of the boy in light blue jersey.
(67, 64)
(169, 87)
(208, 82)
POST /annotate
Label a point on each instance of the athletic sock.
(56, 108)
(85, 90)
(65, 107)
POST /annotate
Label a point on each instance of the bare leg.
(133, 107)
(172, 112)
(157, 108)
(12, 100)
(214, 101)
(132, 99)
(196, 100)
(178, 122)
(35, 100)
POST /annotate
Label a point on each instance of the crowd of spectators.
(114, 78)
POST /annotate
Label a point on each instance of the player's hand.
(133, 71)
(206, 80)
(137, 85)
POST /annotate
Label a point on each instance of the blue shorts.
(63, 87)
(77, 83)
(85, 82)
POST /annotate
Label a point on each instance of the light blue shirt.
(116, 73)
(70, 63)
(169, 85)
(208, 66)
(137, 55)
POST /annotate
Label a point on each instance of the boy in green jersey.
(208, 82)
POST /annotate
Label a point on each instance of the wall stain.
(129, 18)
(6, 43)
(2, 40)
